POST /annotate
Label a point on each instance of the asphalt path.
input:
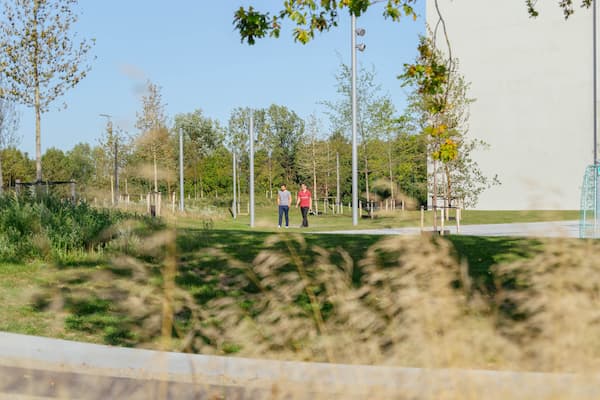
(525, 229)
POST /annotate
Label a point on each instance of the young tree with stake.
(39, 56)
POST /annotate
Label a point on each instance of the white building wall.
(532, 81)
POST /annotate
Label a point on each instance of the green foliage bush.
(38, 227)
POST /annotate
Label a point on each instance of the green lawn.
(266, 219)
(200, 275)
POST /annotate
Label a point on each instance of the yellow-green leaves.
(565, 5)
(301, 35)
(253, 24)
(310, 16)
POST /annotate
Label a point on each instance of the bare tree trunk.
(434, 195)
(37, 105)
(364, 143)
(155, 170)
(327, 175)
(270, 176)
(196, 180)
(448, 190)
(314, 159)
(1, 178)
(337, 179)
(367, 177)
(391, 172)
(239, 197)
(38, 137)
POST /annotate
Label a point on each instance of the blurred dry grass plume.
(411, 306)
(408, 303)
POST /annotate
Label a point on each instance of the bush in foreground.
(40, 227)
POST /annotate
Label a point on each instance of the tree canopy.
(312, 16)
(39, 56)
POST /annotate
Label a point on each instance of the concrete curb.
(51, 368)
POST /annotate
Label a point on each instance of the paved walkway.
(527, 229)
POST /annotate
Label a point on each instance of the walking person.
(284, 200)
(305, 203)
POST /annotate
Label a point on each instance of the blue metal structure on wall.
(589, 224)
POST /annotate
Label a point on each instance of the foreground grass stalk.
(169, 272)
(314, 304)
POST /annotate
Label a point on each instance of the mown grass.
(266, 219)
(95, 320)
(212, 285)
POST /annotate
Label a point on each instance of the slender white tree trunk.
(37, 103)
(391, 172)
(270, 176)
(155, 171)
(314, 159)
(1, 178)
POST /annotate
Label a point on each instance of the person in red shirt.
(305, 203)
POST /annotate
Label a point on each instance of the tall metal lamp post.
(355, 32)
(181, 188)
(251, 188)
(595, 79)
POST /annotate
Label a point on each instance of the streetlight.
(181, 188)
(251, 188)
(361, 47)
(115, 187)
(595, 84)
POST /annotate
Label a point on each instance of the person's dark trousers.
(284, 210)
(304, 211)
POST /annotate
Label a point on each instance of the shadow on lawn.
(481, 253)
(207, 275)
(122, 299)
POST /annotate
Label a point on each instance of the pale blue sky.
(191, 50)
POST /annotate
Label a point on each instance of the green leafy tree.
(372, 108)
(39, 56)
(9, 122)
(313, 16)
(384, 127)
(341, 148)
(310, 16)
(202, 135)
(112, 143)
(312, 161)
(442, 102)
(81, 164)
(16, 165)
(410, 168)
(154, 145)
(58, 165)
(284, 132)
(238, 142)
(217, 170)
(430, 77)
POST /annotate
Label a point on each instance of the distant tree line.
(289, 149)
(394, 149)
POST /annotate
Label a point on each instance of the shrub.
(32, 227)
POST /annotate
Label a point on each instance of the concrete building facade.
(533, 84)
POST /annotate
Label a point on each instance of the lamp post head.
(361, 46)
(360, 32)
